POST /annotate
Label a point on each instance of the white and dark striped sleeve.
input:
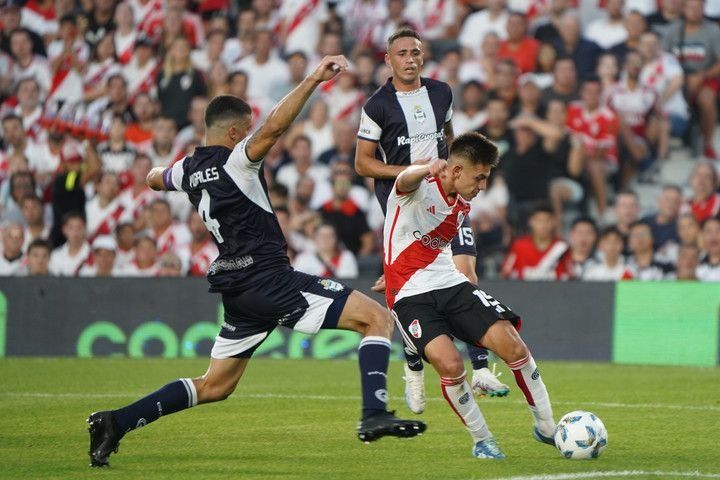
(173, 176)
(370, 128)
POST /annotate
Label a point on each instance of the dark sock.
(413, 360)
(374, 357)
(478, 356)
(171, 398)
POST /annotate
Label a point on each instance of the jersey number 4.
(212, 225)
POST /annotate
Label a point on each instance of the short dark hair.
(709, 220)
(71, 215)
(584, 219)
(591, 79)
(160, 201)
(225, 107)
(641, 223)
(12, 116)
(39, 243)
(402, 33)
(31, 197)
(611, 230)
(541, 207)
(476, 148)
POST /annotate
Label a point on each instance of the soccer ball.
(580, 435)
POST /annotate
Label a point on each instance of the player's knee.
(516, 351)
(378, 320)
(450, 366)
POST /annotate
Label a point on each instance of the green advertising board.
(666, 323)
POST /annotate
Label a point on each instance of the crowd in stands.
(585, 100)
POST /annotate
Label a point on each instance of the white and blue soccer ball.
(580, 435)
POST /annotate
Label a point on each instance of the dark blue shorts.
(295, 300)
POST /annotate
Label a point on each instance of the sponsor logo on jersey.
(435, 243)
(464, 398)
(415, 329)
(420, 137)
(231, 264)
(331, 285)
(419, 114)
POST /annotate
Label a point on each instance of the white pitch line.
(616, 473)
(576, 404)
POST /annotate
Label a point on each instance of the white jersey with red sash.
(103, 220)
(141, 79)
(172, 239)
(301, 20)
(432, 16)
(344, 104)
(124, 46)
(419, 228)
(201, 259)
(135, 204)
(97, 73)
(703, 209)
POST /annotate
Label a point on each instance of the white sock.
(532, 386)
(459, 395)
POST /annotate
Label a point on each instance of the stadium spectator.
(178, 82)
(67, 260)
(170, 265)
(116, 154)
(470, 116)
(103, 259)
(663, 73)
(12, 258)
(266, 70)
(142, 70)
(688, 261)
(669, 12)
(104, 210)
(608, 70)
(663, 223)
(125, 240)
(169, 235)
(642, 264)
(609, 266)
(68, 188)
(144, 263)
(547, 56)
(696, 44)
(33, 212)
(597, 128)
(564, 86)
(635, 105)
(116, 101)
(301, 166)
(125, 34)
(203, 250)
(206, 56)
(10, 20)
(365, 73)
(99, 20)
(609, 31)
(518, 45)
(435, 20)
(583, 52)
(627, 212)
(484, 69)
(101, 64)
(492, 19)
(546, 29)
(506, 85)
(29, 107)
(536, 256)
(582, 239)
(635, 25)
(38, 258)
(140, 131)
(496, 128)
(17, 140)
(22, 183)
(346, 217)
(301, 22)
(704, 201)
(137, 196)
(26, 63)
(329, 260)
(529, 95)
(163, 151)
(343, 150)
(217, 80)
(297, 64)
(709, 268)
(194, 132)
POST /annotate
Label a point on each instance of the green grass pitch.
(296, 420)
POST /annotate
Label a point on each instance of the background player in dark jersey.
(259, 288)
(406, 121)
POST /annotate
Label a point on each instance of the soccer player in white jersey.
(405, 121)
(433, 303)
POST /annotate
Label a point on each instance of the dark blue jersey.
(229, 192)
(407, 126)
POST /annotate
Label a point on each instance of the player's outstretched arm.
(411, 178)
(154, 179)
(281, 117)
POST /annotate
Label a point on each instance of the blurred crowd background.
(604, 111)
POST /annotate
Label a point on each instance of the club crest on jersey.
(419, 114)
(415, 329)
(331, 285)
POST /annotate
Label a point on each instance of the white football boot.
(414, 389)
(485, 382)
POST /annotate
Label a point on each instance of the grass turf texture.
(296, 420)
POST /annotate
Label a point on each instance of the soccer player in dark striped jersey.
(260, 290)
(406, 121)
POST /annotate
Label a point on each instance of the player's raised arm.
(281, 117)
(409, 180)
